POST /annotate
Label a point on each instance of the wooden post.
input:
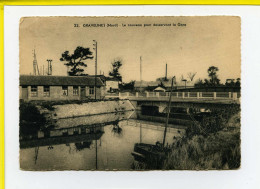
(147, 94)
(214, 95)
(198, 95)
(229, 95)
(183, 94)
(79, 92)
(234, 96)
(157, 94)
(136, 94)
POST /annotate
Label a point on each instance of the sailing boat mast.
(168, 112)
(140, 91)
(96, 148)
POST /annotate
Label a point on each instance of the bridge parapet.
(183, 95)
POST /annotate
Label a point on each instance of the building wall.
(56, 93)
(111, 84)
(20, 92)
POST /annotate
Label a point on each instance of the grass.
(216, 151)
(213, 144)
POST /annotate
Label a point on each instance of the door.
(24, 93)
(83, 92)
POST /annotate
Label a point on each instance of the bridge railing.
(183, 95)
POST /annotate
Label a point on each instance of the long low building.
(60, 87)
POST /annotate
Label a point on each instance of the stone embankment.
(87, 109)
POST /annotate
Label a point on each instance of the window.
(91, 90)
(75, 90)
(65, 90)
(33, 90)
(46, 90)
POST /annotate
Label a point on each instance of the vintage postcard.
(130, 93)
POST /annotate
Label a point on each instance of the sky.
(201, 43)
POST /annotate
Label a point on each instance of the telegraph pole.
(140, 73)
(140, 92)
(95, 45)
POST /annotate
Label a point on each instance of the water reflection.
(92, 142)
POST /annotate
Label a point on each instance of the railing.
(183, 95)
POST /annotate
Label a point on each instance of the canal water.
(100, 142)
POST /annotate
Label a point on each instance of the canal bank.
(204, 148)
(90, 108)
(57, 110)
(40, 115)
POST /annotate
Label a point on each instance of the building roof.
(112, 79)
(147, 83)
(59, 80)
(159, 89)
(105, 78)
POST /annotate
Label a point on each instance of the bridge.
(181, 99)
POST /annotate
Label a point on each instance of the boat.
(150, 153)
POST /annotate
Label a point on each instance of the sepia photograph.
(129, 93)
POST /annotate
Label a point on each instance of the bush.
(30, 119)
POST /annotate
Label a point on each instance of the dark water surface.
(102, 142)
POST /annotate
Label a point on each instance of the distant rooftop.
(146, 83)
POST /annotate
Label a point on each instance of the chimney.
(166, 72)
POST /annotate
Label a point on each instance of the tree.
(127, 86)
(191, 75)
(212, 72)
(161, 79)
(75, 61)
(199, 83)
(116, 64)
(238, 82)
